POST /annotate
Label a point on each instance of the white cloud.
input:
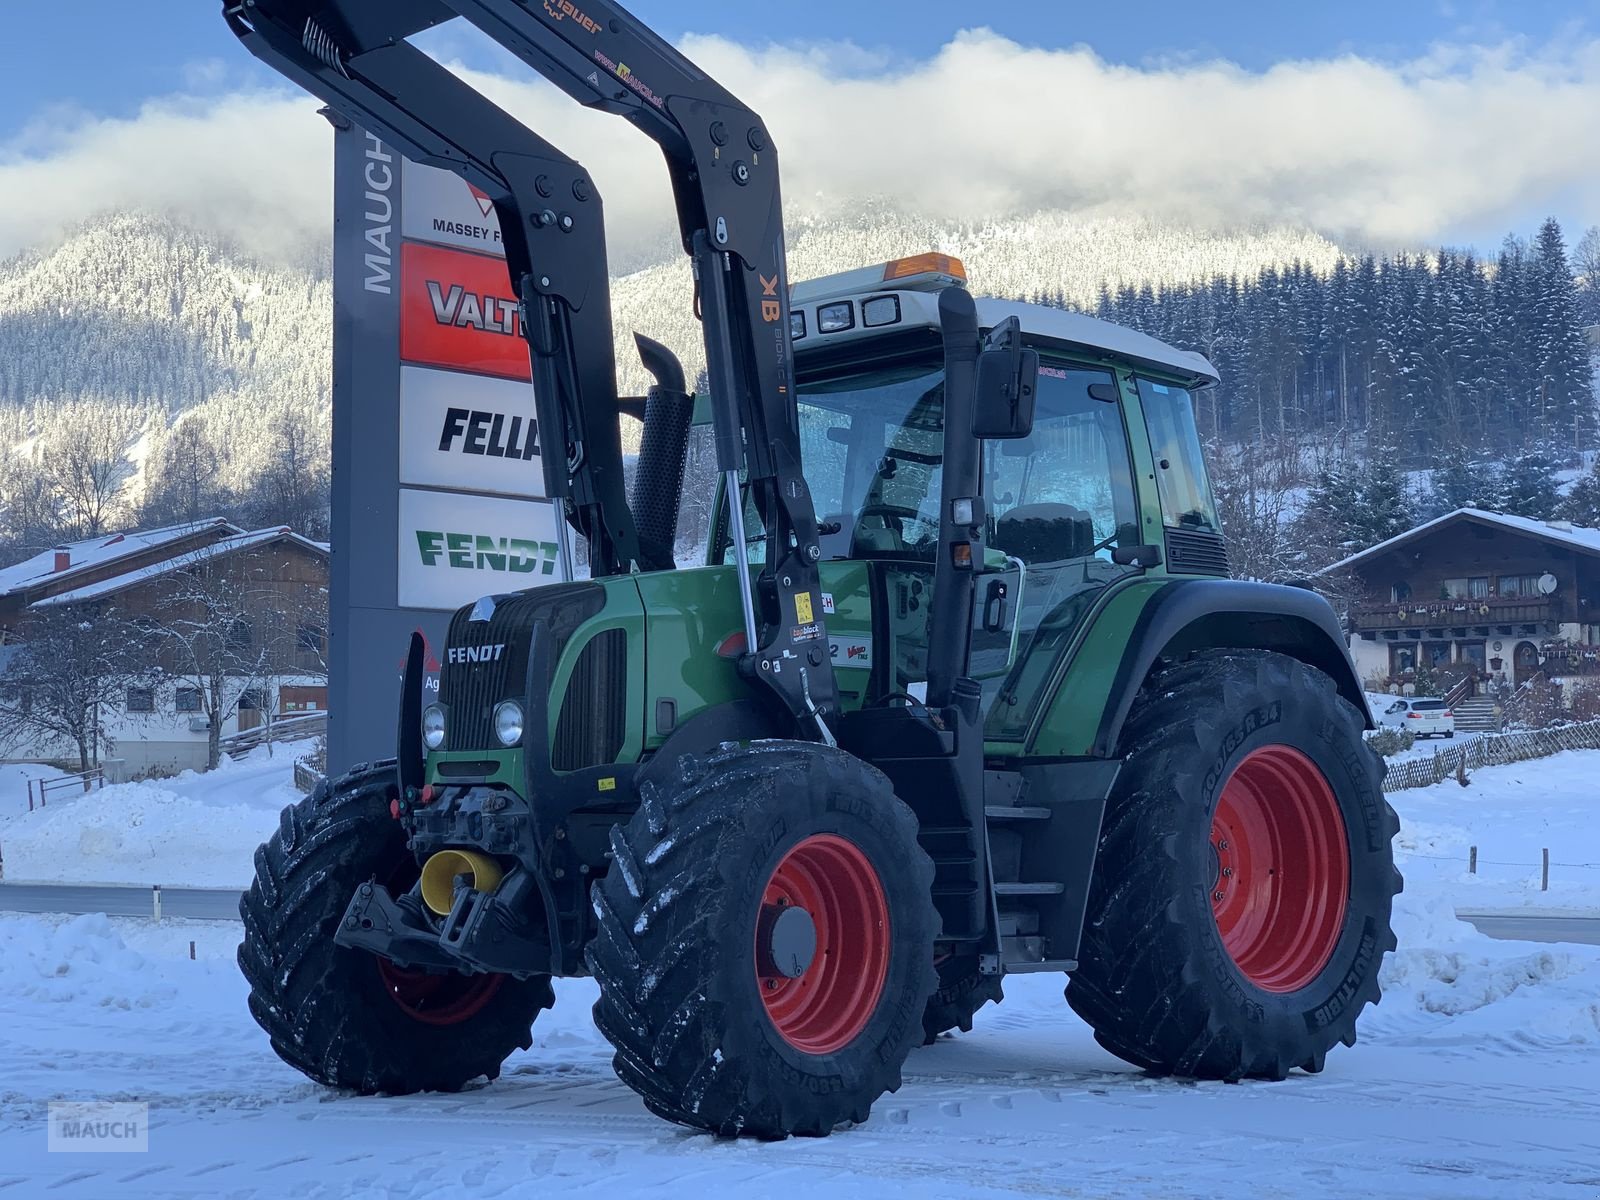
(254, 165)
(1462, 138)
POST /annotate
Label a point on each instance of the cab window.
(1186, 501)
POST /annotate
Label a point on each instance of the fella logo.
(492, 434)
(457, 311)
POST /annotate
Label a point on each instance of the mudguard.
(1195, 614)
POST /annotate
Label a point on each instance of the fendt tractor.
(963, 689)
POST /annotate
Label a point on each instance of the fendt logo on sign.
(457, 311)
(455, 547)
(484, 552)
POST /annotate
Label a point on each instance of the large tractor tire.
(344, 1017)
(1241, 901)
(765, 941)
(963, 990)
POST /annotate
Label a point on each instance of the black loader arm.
(352, 54)
(724, 173)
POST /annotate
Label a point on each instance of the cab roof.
(834, 312)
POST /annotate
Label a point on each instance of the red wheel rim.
(1283, 869)
(826, 1007)
(425, 996)
(437, 999)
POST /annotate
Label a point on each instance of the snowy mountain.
(136, 320)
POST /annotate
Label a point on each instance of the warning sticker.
(802, 608)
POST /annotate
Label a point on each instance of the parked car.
(1427, 717)
(1388, 712)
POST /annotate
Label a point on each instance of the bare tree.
(58, 684)
(225, 633)
(184, 484)
(1256, 486)
(84, 455)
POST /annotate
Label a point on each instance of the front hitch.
(481, 932)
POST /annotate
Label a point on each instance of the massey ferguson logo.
(489, 433)
(459, 655)
(560, 10)
(468, 310)
(480, 552)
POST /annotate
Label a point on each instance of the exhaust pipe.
(440, 872)
(663, 450)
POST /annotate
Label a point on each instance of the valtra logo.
(457, 311)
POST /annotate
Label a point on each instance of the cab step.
(1016, 812)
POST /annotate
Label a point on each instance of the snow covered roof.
(93, 553)
(1075, 331)
(1091, 333)
(229, 545)
(1562, 533)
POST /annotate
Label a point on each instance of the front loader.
(961, 691)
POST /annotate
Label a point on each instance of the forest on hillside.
(150, 373)
(1359, 401)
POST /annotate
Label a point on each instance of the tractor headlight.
(433, 727)
(508, 723)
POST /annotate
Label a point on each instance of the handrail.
(85, 780)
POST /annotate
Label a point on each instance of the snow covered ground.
(1474, 1078)
(199, 830)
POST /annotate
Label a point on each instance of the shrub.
(1389, 742)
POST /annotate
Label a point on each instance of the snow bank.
(14, 778)
(1511, 814)
(198, 830)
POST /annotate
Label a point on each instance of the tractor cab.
(1107, 486)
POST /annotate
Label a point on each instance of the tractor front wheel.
(765, 941)
(1241, 901)
(345, 1017)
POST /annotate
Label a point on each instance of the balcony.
(1458, 614)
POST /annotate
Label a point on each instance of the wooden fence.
(1491, 751)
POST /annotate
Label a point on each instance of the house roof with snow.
(168, 566)
(1561, 533)
(93, 557)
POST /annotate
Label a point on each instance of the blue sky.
(1383, 123)
(117, 60)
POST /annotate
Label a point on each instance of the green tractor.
(962, 689)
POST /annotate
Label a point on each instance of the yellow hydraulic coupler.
(440, 871)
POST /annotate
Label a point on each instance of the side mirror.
(1008, 382)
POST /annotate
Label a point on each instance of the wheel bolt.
(1227, 872)
(1223, 844)
(1216, 895)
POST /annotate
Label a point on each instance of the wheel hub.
(1281, 861)
(822, 944)
(789, 939)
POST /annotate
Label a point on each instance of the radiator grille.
(594, 712)
(470, 691)
(1192, 552)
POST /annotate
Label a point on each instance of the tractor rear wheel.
(963, 990)
(344, 1017)
(1241, 901)
(765, 941)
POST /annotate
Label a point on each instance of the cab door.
(1061, 502)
